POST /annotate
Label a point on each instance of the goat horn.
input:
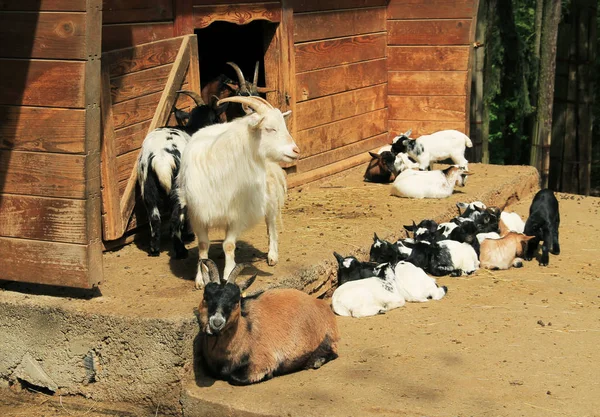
(262, 100)
(255, 79)
(240, 74)
(235, 272)
(213, 271)
(252, 101)
(195, 96)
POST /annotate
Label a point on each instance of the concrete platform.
(133, 339)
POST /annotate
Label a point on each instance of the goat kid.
(397, 147)
(351, 269)
(383, 251)
(252, 339)
(427, 184)
(438, 146)
(415, 285)
(543, 223)
(504, 252)
(510, 222)
(446, 257)
(381, 168)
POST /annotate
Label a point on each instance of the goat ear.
(528, 238)
(407, 133)
(396, 139)
(409, 228)
(339, 257)
(245, 284)
(375, 155)
(405, 142)
(286, 114)
(375, 238)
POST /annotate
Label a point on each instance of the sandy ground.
(521, 342)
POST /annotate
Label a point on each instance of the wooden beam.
(119, 11)
(239, 14)
(431, 9)
(139, 83)
(126, 35)
(421, 83)
(429, 32)
(444, 108)
(337, 23)
(428, 58)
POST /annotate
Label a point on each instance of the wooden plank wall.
(429, 44)
(341, 84)
(49, 143)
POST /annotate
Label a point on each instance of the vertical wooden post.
(478, 60)
(184, 18)
(288, 62)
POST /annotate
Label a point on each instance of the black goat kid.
(543, 223)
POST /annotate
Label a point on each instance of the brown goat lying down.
(504, 252)
(253, 339)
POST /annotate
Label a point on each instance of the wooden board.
(123, 36)
(329, 53)
(127, 60)
(340, 106)
(42, 174)
(239, 14)
(428, 58)
(41, 262)
(45, 83)
(316, 174)
(431, 9)
(40, 218)
(139, 83)
(317, 5)
(131, 137)
(134, 111)
(341, 153)
(419, 83)
(43, 5)
(42, 129)
(421, 127)
(450, 108)
(333, 24)
(429, 32)
(125, 164)
(43, 35)
(128, 11)
(333, 80)
(333, 135)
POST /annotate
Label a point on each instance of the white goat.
(369, 296)
(438, 146)
(403, 162)
(415, 285)
(427, 184)
(464, 258)
(510, 222)
(228, 177)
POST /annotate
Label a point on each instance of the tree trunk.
(545, 97)
(489, 15)
(477, 85)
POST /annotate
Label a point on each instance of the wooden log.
(343, 132)
(127, 35)
(42, 262)
(42, 129)
(43, 5)
(45, 83)
(41, 218)
(421, 83)
(134, 111)
(130, 11)
(428, 58)
(239, 14)
(138, 58)
(329, 53)
(42, 35)
(340, 106)
(300, 6)
(319, 83)
(450, 108)
(428, 9)
(42, 174)
(420, 128)
(139, 83)
(429, 32)
(337, 23)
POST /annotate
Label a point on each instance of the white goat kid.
(227, 178)
(427, 184)
(415, 285)
(438, 146)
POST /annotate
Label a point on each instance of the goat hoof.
(198, 285)
(272, 260)
(528, 258)
(543, 263)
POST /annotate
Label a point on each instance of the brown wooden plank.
(40, 218)
(305, 177)
(421, 83)
(329, 53)
(135, 111)
(42, 35)
(333, 24)
(184, 17)
(126, 35)
(141, 57)
(340, 106)
(333, 80)
(420, 128)
(129, 11)
(288, 63)
(428, 58)
(42, 129)
(125, 164)
(341, 153)
(431, 9)
(139, 83)
(343, 132)
(429, 32)
(42, 83)
(319, 5)
(239, 14)
(43, 5)
(42, 174)
(451, 108)
(131, 137)
(43, 262)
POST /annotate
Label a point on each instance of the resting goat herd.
(220, 168)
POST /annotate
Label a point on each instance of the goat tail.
(276, 190)
(468, 142)
(163, 166)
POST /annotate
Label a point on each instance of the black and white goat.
(444, 257)
(383, 251)
(351, 269)
(543, 223)
(438, 146)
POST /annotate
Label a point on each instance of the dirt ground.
(521, 342)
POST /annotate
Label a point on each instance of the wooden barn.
(85, 80)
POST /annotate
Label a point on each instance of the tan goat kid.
(504, 252)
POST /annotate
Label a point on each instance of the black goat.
(543, 223)
(351, 269)
(425, 230)
(383, 251)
